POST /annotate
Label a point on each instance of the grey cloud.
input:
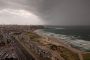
(55, 12)
(67, 12)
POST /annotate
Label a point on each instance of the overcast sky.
(50, 12)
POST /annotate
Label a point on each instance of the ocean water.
(78, 32)
(77, 36)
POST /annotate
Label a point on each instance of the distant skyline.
(45, 12)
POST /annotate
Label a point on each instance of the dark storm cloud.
(20, 4)
(66, 12)
(55, 12)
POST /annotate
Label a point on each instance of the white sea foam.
(73, 41)
(59, 28)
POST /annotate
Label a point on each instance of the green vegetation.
(86, 56)
(53, 47)
(67, 54)
(33, 36)
(64, 52)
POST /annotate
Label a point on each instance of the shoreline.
(78, 44)
(83, 55)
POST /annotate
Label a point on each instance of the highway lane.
(21, 52)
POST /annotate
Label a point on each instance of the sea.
(77, 36)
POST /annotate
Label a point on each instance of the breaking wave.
(72, 40)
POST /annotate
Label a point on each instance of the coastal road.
(21, 52)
